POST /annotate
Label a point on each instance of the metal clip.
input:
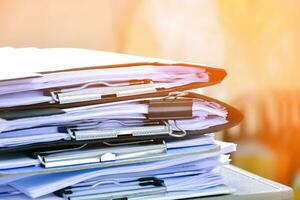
(176, 95)
(114, 144)
(180, 133)
(87, 93)
(128, 129)
(85, 155)
(170, 109)
(150, 186)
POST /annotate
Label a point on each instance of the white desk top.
(249, 186)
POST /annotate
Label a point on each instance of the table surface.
(250, 186)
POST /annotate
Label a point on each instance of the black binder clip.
(170, 109)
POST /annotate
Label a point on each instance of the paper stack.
(88, 125)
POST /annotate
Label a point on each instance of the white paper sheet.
(39, 185)
(28, 131)
(20, 160)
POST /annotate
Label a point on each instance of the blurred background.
(256, 41)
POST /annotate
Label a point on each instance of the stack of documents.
(87, 125)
